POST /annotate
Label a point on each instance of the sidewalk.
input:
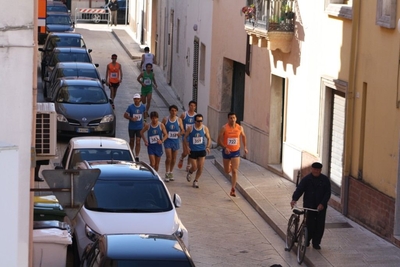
(345, 243)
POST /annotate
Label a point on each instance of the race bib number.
(137, 116)
(114, 75)
(173, 135)
(147, 81)
(232, 141)
(197, 140)
(154, 139)
(189, 125)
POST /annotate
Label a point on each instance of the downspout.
(350, 97)
(33, 132)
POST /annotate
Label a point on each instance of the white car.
(94, 148)
(128, 198)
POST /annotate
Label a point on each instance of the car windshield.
(81, 95)
(59, 8)
(146, 263)
(128, 196)
(94, 154)
(73, 72)
(69, 57)
(59, 20)
(56, 41)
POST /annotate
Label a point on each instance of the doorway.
(237, 104)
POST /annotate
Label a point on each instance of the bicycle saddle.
(297, 211)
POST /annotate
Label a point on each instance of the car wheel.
(96, 18)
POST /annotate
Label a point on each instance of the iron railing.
(270, 15)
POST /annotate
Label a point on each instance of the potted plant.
(249, 11)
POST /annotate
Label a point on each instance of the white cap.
(136, 96)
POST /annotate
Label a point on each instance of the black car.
(82, 107)
(59, 39)
(59, 22)
(137, 250)
(65, 54)
(71, 69)
(56, 6)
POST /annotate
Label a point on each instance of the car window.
(65, 157)
(128, 196)
(56, 41)
(146, 263)
(81, 95)
(60, 20)
(69, 57)
(57, 9)
(79, 155)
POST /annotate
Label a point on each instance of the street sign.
(70, 187)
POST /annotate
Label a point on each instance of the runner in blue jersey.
(187, 118)
(156, 135)
(198, 148)
(135, 114)
(174, 126)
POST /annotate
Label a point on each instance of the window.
(202, 62)
(178, 24)
(339, 8)
(386, 13)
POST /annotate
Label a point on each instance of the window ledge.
(341, 11)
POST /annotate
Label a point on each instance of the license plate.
(83, 130)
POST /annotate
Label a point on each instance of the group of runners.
(188, 129)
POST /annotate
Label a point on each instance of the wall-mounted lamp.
(195, 27)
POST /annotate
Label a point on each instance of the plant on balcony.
(249, 11)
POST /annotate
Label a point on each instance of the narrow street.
(223, 231)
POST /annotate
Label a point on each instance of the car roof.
(58, 13)
(65, 34)
(121, 170)
(144, 247)
(70, 49)
(76, 65)
(98, 142)
(83, 81)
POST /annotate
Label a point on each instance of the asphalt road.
(223, 231)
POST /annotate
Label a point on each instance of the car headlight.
(107, 118)
(61, 118)
(92, 235)
(179, 233)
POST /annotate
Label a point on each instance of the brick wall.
(371, 208)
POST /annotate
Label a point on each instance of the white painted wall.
(190, 13)
(16, 76)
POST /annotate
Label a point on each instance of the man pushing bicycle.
(316, 188)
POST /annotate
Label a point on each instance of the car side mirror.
(90, 50)
(41, 49)
(103, 81)
(97, 65)
(177, 201)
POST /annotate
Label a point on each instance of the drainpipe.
(350, 94)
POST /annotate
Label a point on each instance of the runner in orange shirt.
(229, 140)
(113, 76)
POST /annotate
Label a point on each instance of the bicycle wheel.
(291, 231)
(302, 244)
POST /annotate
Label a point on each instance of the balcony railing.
(272, 21)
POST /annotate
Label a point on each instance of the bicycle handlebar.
(303, 208)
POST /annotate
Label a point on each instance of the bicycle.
(298, 233)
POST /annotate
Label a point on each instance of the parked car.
(56, 6)
(59, 22)
(82, 107)
(137, 250)
(127, 198)
(93, 148)
(71, 69)
(59, 39)
(65, 54)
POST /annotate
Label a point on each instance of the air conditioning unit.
(46, 130)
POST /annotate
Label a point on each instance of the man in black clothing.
(113, 6)
(317, 192)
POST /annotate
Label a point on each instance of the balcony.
(270, 23)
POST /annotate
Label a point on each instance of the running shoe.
(166, 179)
(180, 163)
(188, 176)
(195, 184)
(171, 176)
